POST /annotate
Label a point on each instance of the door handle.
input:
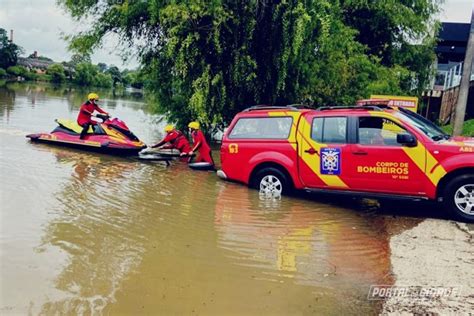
(311, 151)
(361, 153)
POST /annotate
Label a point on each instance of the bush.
(3, 73)
(43, 77)
(17, 71)
(30, 75)
(103, 80)
(56, 71)
(467, 129)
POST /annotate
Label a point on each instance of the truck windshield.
(424, 125)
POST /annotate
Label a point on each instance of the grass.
(467, 129)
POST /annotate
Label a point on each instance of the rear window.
(262, 127)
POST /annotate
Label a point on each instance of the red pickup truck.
(371, 151)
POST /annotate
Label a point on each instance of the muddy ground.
(428, 250)
(436, 253)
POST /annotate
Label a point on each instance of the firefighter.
(174, 139)
(200, 144)
(84, 118)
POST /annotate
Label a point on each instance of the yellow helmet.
(93, 96)
(194, 125)
(169, 128)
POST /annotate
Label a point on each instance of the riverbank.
(435, 253)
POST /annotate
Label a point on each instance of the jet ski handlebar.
(103, 117)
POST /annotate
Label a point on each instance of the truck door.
(378, 163)
(322, 146)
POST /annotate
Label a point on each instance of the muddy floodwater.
(95, 234)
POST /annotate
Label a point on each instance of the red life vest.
(85, 113)
(177, 140)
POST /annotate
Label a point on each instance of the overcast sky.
(38, 25)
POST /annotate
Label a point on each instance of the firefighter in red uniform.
(175, 139)
(86, 111)
(200, 144)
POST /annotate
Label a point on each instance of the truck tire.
(271, 180)
(459, 198)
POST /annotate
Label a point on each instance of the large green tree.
(9, 51)
(207, 60)
(79, 58)
(399, 33)
(87, 74)
(115, 73)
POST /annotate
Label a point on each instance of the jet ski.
(112, 136)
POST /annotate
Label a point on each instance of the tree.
(399, 33)
(114, 72)
(88, 75)
(68, 69)
(103, 80)
(102, 67)
(80, 58)
(85, 74)
(56, 71)
(207, 60)
(135, 78)
(8, 51)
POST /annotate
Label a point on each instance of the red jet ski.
(112, 136)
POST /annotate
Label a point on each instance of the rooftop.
(34, 62)
(457, 32)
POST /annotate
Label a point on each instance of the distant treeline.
(79, 70)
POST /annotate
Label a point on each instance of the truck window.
(427, 127)
(378, 131)
(329, 130)
(262, 127)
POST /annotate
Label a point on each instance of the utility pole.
(465, 80)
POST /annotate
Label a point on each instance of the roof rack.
(276, 107)
(353, 107)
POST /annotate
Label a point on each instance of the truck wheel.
(271, 181)
(459, 198)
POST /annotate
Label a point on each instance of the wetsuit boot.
(85, 128)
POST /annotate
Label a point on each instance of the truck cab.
(369, 151)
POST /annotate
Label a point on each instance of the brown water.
(96, 234)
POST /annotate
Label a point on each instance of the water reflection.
(312, 243)
(106, 223)
(7, 102)
(97, 227)
(97, 166)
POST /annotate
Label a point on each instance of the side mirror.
(407, 140)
